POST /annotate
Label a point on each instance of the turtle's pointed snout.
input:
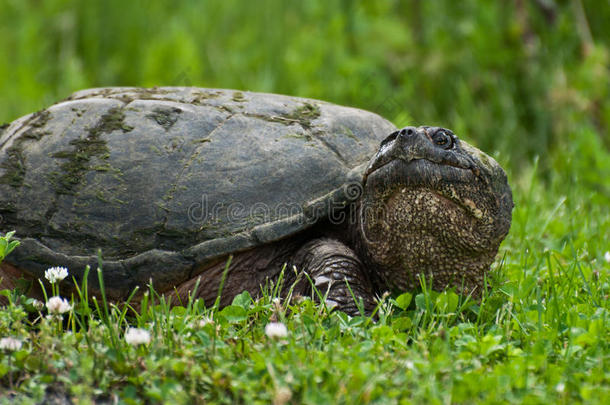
(409, 136)
(407, 132)
(391, 148)
(406, 144)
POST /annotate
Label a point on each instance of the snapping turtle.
(169, 181)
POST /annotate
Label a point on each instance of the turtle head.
(433, 206)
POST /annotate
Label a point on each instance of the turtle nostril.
(407, 131)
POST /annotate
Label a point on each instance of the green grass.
(540, 334)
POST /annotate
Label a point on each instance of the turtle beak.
(395, 146)
(412, 143)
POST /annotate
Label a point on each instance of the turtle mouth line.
(416, 161)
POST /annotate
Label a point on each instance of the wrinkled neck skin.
(398, 251)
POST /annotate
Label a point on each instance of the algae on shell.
(14, 165)
(77, 160)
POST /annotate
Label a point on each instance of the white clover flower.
(283, 395)
(58, 305)
(560, 388)
(9, 343)
(55, 274)
(409, 365)
(276, 330)
(607, 257)
(137, 336)
(38, 305)
(205, 321)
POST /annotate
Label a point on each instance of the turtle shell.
(162, 180)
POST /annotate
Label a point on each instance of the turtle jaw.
(412, 144)
(445, 181)
(424, 199)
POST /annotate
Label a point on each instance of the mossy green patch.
(225, 109)
(7, 206)
(155, 150)
(348, 132)
(202, 140)
(14, 164)
(78, 111)
(108, 198)
(238, 97)
(113, 120)
(125, 98)
(303, 116)
(200, 97)
(78, 159)
(165, 117)
(305, 137)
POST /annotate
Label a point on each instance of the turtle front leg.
(331, 265)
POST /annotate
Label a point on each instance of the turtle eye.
(442, 139)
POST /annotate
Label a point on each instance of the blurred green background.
(519, 79)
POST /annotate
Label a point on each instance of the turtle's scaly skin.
(168, 182)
